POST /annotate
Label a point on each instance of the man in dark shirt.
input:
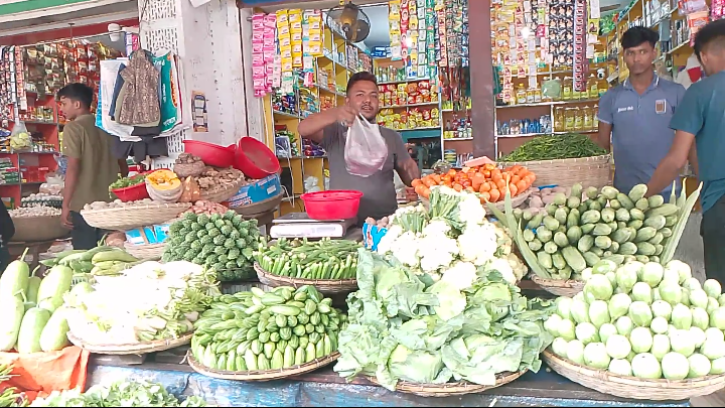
(699, 119)
(329, 128)
(7, 230)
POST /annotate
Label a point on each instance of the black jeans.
(4, 259)
(712, 230)
(83, 235)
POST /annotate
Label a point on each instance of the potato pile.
(539, 199)
(213, 179)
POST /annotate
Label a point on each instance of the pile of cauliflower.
(454, 246)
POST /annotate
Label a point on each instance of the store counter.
(324, 388)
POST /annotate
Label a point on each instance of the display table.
(325, 388)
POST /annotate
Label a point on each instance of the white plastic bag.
(365, 149)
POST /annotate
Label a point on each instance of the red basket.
(133, 193)
(211, 154)
(332, 205)
(255, 159)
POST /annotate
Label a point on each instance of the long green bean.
(550, 147)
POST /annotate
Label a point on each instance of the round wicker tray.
(219, 195)
(131, 349)
(150, 251)
(568, 288)
(36, 229)
(266, 375)
(632, 387)
(122, 219)
(515, 201)
(589, 171)
(451, 389)
(325, 286)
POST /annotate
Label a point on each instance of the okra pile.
(324, 259)
(254, 330)
(589, 225)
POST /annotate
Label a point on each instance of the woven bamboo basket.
(451, 389)
(222, 194)
(632, 387)
(150, 251)
(568, 288)
(324, 286)
(131, 349)
(589, 171)
(36, 229)
(122, 219)
(261, 376)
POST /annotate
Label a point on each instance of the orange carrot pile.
(487, 180)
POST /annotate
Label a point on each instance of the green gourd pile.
(579, 230)
(225, 243)
(254, 330)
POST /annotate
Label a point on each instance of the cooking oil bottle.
(593, 87)
(521, 95)
(566, 93)
(578, 119)
(586, 118)
(569, 120)
(595, 117)
(559, 119)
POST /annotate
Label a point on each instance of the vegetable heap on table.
(9, 397)
(324, 259)
(403, 329)
(255, 330)
(590, 225)
(150, 301)
(119, 394)
(125, 182)
(645, 320)
(225, 243)
(487, 180)
(451, 241)
(32, 317)
(569, 146)
(35, 211)
(100, 261)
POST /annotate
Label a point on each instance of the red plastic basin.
(255, 159)
(133, 193)
(211, 154)
(332, 205)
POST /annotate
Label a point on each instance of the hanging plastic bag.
(365, 149)
(20, 138)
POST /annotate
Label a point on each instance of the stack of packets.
(412, 29)
(311, 43)
(265, 62)
(697, 14)
(289, 37)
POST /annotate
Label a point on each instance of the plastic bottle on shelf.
(530, 95)
(559, 119)
(587, 118)
(578, 119)
(593, 87)
(521, 95)
(537, 94)
(595, 117)
(566, 89)
(569, 120)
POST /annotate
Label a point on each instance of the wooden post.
(482, 102)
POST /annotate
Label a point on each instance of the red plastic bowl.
(255, 159)
(133, 193)
(211, 154)
(332, 205)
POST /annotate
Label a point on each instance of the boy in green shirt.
(91, 165)
(700, 118)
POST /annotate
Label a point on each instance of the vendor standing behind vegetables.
(637, 113)
(7, 230)
(329, 128)
(91, 165)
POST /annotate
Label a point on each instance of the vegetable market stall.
(324, 388)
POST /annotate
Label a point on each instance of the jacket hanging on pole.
(139, 96)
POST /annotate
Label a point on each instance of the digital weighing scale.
(299, 225)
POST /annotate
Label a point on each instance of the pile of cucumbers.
(254, 330)
(590, 225)
(101, 261)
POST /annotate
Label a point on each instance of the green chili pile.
(550, 147)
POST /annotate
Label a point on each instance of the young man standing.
(91, 165)
(701, 119)
(637, 113)
(7, 230)
(329, 128)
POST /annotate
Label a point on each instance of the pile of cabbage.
(643, 320)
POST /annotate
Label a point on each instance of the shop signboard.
(21, 6)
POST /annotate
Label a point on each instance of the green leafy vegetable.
(403, 329)
(124, 182)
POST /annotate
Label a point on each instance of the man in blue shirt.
(701, 119)
(637, 113)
